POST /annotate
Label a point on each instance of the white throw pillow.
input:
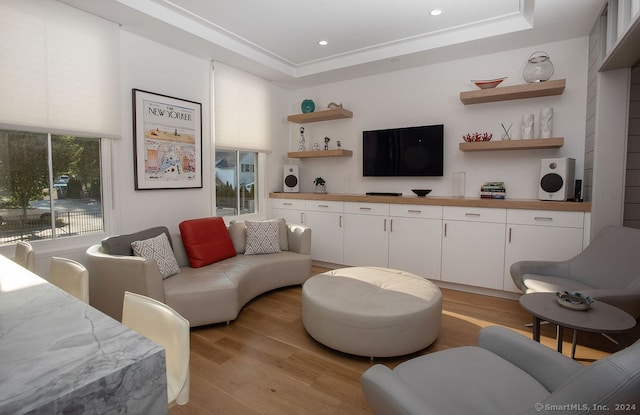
(263, 237)
(158, 248)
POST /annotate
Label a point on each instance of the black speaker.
(290, 179)
(557, 179)
(578, 191)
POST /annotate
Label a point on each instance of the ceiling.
(278, 39)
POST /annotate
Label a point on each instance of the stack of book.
(492, 190)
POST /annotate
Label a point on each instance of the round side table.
(599, 318)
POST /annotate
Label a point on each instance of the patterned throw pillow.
(263, 237)
(158, 248)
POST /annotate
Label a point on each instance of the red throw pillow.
(206, 241)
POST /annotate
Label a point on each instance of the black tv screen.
(409, 151)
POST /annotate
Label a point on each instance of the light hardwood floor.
(265, 363)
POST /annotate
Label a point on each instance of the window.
(50, 186)
(236, 188)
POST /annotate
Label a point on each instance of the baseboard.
(443, 284)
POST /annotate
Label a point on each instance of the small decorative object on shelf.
(538, 68)
(316, 147)
(546, 122)
(301, 143)
(459, 183)
(421, 192)
(326, 143)
(507, 134)
(492, 190)
(339, 144)
(472, 137)
(308, 106)
(488, 83)
(320, 185)
(527, 126)
(333, 105)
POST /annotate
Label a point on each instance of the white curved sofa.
(211, 294)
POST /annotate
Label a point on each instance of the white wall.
(419, 96)
(152, 67)
(430, 95)
(610, 148)
(280, 104)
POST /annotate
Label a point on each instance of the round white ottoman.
(370, 311)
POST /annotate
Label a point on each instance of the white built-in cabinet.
(541, 235)
(292, 210)
(325, 219)
(415, 239)
(405, 237)
(473, 246)
(366, 237)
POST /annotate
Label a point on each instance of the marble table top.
(60, 355)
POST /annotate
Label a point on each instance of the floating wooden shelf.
(506, 93)
(321, 153)
(513, 144)
(326, 115)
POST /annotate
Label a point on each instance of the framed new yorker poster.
(167, 140)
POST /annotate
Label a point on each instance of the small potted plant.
(320, 185)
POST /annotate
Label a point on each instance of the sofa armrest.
(111, 275)
(299, 238)
(547, 366)
(386, 393)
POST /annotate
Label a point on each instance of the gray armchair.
(506, 373)
(607, 270)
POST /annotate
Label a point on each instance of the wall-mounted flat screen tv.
(409, 151)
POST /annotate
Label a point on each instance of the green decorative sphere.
(308, 106)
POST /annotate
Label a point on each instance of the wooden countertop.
(442, 201)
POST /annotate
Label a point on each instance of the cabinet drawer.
(367, 208)
(474, 214)
(287, 204)
(545, 218)
(416, 211)
(324, 206)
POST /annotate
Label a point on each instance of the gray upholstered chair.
(506, 373)
(607, 270)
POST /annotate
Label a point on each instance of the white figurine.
(301, 144)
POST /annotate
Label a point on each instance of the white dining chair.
(163, 325)
(70, 276)
(25, 256)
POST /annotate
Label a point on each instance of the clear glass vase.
(538, 68)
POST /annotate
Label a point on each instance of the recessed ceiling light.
(323, 43)
(435, 12)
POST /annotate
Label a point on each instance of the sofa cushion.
(206, 241)
(238, 232)
(159, 249)
(121, 244)
(263, 237)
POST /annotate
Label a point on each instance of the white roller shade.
(59, 70)
(241, 103)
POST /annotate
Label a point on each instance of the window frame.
(72, 243)
(260, 175)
